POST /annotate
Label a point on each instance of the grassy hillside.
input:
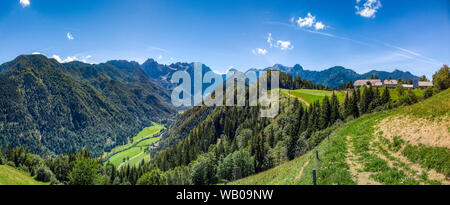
(11, 176)
(134, 151)
(309, 96)
(409, 145)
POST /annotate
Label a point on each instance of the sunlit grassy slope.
(359, 153)
(311, 96)
(12, 176)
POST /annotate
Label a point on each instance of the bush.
(441, 79)
(428, 93)
(154, 177)
(85, 172)
(11, 164)
(43, 174)
(54, 181)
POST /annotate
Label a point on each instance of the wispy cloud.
(413, 55)
(368, 9)
(270, 39)
(372, 43)
(259, 51)
(158, 49)
(68, 59)
(24, 3)
(70, 36)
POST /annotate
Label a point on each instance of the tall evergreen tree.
(386, 97)
(347, 106)
(335, 114)
(354, 104)
(325, 113)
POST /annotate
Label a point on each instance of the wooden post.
(317, 155)
(314, 177)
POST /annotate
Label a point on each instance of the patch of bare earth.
(301, 170)
(356, 168)
(417, 131)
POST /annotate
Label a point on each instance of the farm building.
(425, 84)
(373, 83)
(407, 86)
(390, 83)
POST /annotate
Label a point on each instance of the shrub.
(428, 93)
(43, 174)
(154, 177)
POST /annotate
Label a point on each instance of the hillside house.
(367, 83)
(425, 84)
(408, 86)
(390, 83)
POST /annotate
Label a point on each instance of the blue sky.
(361, 35)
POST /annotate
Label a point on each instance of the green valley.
(137, 149)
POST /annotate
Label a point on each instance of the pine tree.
(325, 113)
(347, 106)
(386, 97)
(354, 104)
(335, 115)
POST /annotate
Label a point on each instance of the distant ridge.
(336, 76)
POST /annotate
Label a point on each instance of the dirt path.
(301, 170)
(129, 160)
(301, 99)
(356, 168)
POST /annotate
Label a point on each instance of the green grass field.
(357, 153)
(311, 96)
(12, 176)
(133, 152)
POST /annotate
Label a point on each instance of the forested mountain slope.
(51, 108)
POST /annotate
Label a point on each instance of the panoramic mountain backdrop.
(338, 75)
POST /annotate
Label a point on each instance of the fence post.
(314, 177)
(317, 155)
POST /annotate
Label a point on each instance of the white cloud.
(36, 53)
(259, 51)
(368, 9)
(270, 39)
(159, 57)
(68, 59)
(309, 21)
(70, 36)
(24, 3)
(319, 26)
(284, 45)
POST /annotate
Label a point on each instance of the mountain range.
(52, 108)
(331, 77)
(338, 75)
